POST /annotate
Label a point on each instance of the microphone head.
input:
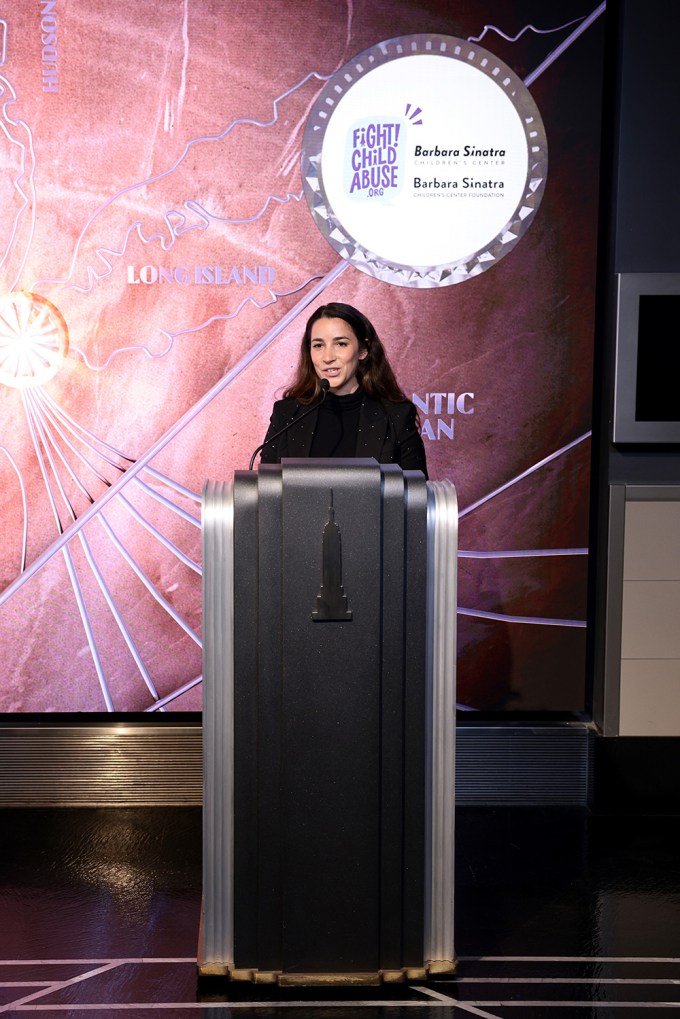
(324, 385)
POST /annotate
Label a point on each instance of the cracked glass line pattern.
(155, 200)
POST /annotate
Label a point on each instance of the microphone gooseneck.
(324, 385)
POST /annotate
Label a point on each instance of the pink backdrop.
(174, 141)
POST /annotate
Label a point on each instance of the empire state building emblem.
(331, 601)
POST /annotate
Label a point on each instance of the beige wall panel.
(650, 698)
(651, 619)
(652, 541)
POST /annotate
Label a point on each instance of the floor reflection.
(558, 913)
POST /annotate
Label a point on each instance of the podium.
(329, 611)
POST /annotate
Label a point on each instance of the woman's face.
(335, 353)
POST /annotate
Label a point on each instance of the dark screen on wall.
(657, 392)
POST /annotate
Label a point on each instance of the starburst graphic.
(33, 340)
(412, 112)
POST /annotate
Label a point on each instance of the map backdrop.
(153, 211)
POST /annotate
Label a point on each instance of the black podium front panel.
(329, 718)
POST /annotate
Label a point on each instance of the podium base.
(439, 967)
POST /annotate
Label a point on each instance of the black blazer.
(387, 431)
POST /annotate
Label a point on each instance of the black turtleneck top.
(337, 425)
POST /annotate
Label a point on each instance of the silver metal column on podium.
(217, 914)
(442, 557)
(216, 950)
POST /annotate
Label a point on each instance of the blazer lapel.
(372, 429)
(299, 437)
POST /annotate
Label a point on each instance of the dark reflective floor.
(558, 914)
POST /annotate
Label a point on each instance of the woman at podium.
(345, 400)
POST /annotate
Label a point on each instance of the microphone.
(324, 385)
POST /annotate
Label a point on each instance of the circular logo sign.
(424, 160)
